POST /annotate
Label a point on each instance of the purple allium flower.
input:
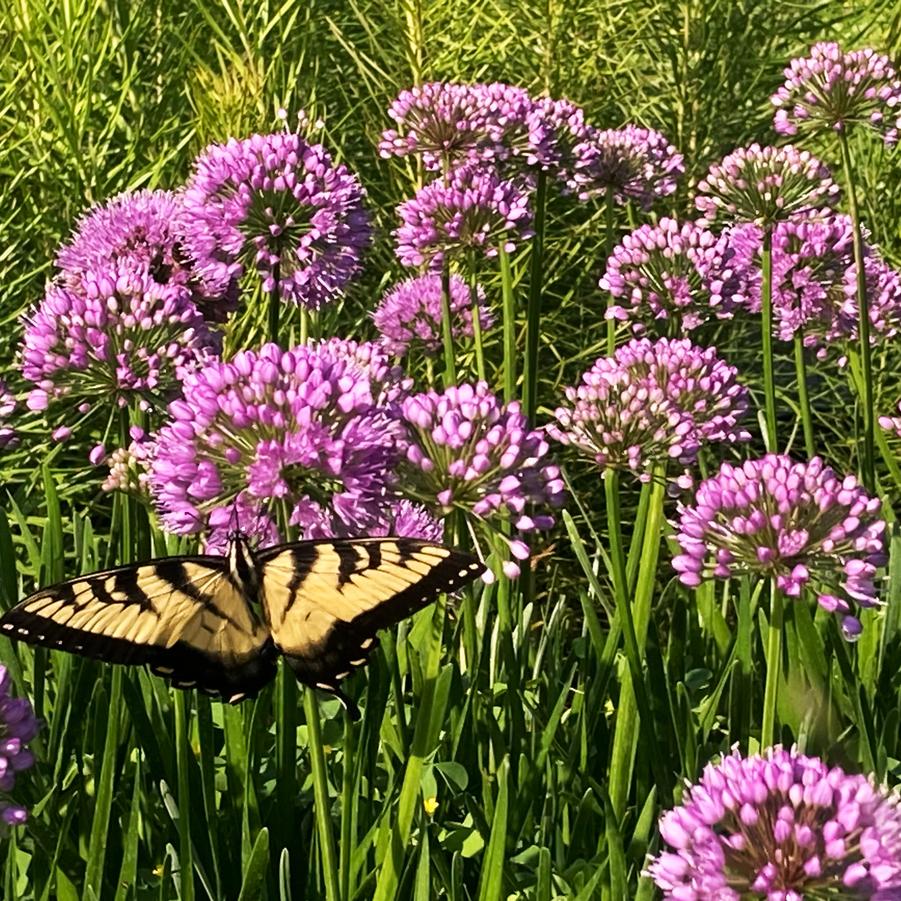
(470, 452)
(765, 184)
(651, 402)
(815, 280)
(129, 467)
(448, 123)
(141, 231)
(781, 826)
(410, 313)
(302, 428)
(8, 436)
(18, 726)
(798, 523)
(472, 207)
(833, 89)
(407, 519)
(638, 164)
(892, 423)
(553, 131)
(674, 271)
(280, 206)
(124, 338)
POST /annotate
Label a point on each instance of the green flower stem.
(275, 302)
(348, 810)
(533, 314)
(450, 368)
(320, 796)
(509, 316)
(286, 754)
(182, 762)
(625, 738)
(389, 875)
(633, 654)
(476, 318)
(773, 666)
(803, 396)
(888, 457)
(304, 325)
(867, 462)
(766, 326)
(609, 238)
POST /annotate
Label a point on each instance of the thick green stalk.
(867, 462)
(320, 796)
(773, 666)
(275, 303)
(348, 838)
(286, 756)
(447, 336)
(304, 325)
(509, 316)
(625, 738)
(803, 396)
(182, 761)
(609, 238)
(389, 875)
(766, 326)
(633, 654)
(533, 314)
(476, 318)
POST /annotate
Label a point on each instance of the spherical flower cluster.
(553, 131)
(448, 123)
(140, 232)
(8, 436)
(650, 403)
(277, 205)
(406, 519)
(129, 467)
(781, 826)
(798, 523)
(674, 271)
(470, 452)
(472, 208)
(815, 280)
(409, 315)
(18, 726)
(303, 428)
(637, 164)
(765, 184)
(124, 338)
(834, 89)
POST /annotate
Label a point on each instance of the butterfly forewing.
(184, 617)
(324, 601)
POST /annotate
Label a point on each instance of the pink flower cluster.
(798, 523)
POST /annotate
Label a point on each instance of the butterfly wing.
(324, 601)
(183, 616)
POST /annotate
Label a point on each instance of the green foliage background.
(98, 97)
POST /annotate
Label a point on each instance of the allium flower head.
(798, 523)
(281, 207)
(129, 467)
(652, 402)
(765, 184)
(302, 428)
(140, 232)
(8, 436)
(125, 337)
(18, 726)
(553, 131)
(473, 207)
(407, 519)
(780, 826)
(638, 164)
(815, 280)
(832, 89)
(674, 271)
(468, 451)
(448, 124)
(410, 313)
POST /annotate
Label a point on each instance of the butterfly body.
(220, 623)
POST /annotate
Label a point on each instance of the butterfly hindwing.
(325, 600)
(182, 616)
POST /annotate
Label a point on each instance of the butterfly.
(220, 623)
